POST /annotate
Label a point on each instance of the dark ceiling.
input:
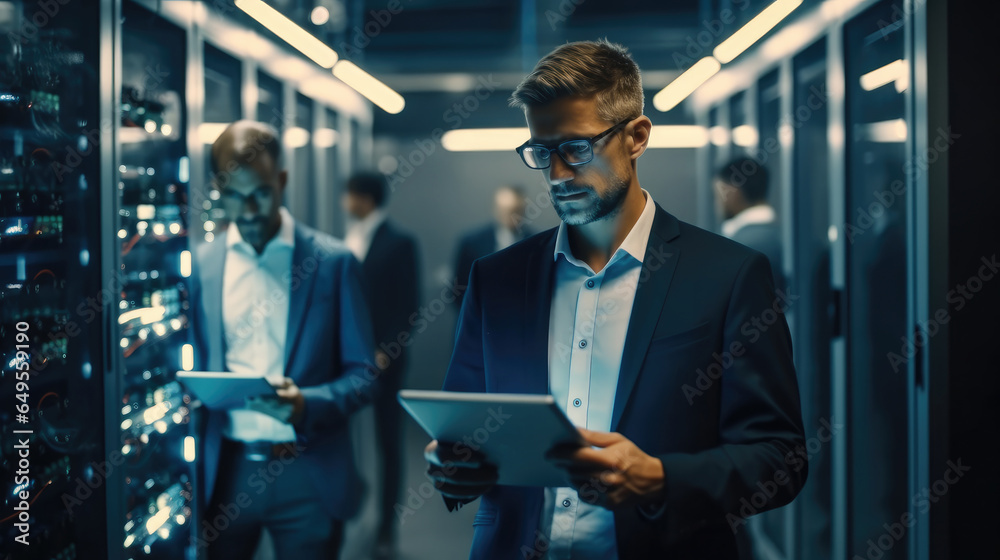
(390, 37)
(415, 45)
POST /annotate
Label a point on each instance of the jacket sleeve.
(467, 369)
(757, 461)
(330, 404)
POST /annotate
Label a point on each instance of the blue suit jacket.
(329, 354)
(719, 431)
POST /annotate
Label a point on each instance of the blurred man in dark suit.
(741, 196)
(389, 266)
(508, 228)
(279, 300)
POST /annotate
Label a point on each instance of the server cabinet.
(53, 295)
(157, 424)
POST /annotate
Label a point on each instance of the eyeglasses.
(573, 152)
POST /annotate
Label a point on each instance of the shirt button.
(566, 503)
(590, 283)
(577, 402)
(583, 344)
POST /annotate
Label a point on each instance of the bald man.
(282, 301)
(507, 228)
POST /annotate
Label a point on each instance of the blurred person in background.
(741, 198)
(284, 462)
(507, 228)
(390, 272)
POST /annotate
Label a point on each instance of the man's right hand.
(458, 471)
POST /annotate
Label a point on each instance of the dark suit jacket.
(328, 353)
(473, 245)
(722, 433)
(765, 238)
(391, 286)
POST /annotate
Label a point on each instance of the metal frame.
(110, 100)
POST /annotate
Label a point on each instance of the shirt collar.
(759, 214)
(284, 238)
(366, 226)
(634, 243)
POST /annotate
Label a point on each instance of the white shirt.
(255, 296)
(759, 214)
(505, 238)
(361, 232)
(588, 321)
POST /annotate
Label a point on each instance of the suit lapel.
(299, 301)
(657, 270)
(537, 301)
(212, 293)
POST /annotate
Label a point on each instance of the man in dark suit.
(507, 228)
(662, 342)
(389, 267)
(741, 196)
(282, 301)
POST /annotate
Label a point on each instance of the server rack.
(53, 294)
(158, 417)
(100, 201)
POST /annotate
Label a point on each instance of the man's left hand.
(616, 475)
(289, 393)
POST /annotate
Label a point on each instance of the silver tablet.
(224, 389)
(513, 431)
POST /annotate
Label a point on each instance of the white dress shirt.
(361, 232)
(255, 297)
(588, 321)
(759, 214)
(505, 238)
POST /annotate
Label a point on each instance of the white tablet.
(224, 389)
(514, 431)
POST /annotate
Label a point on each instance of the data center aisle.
(429, 532)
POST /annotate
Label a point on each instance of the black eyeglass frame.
(558, 148)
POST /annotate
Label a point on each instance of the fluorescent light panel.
(745, 136)
(754, 30)
(895, 71)
(678, 136)
(685, 84)
(484, 139)
(369, 86)
(288, 30)
(296, 137)
(506, 139)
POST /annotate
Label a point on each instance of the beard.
(252, 231)
(593, 207)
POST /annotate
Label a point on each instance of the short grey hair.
(586, 68)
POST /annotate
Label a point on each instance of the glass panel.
(737, 119)
(156, 418)
(767, 153)
(223, 81)
(270, 101)
(875, 229)
(301, 172)
(52, 381)
(812, 320)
